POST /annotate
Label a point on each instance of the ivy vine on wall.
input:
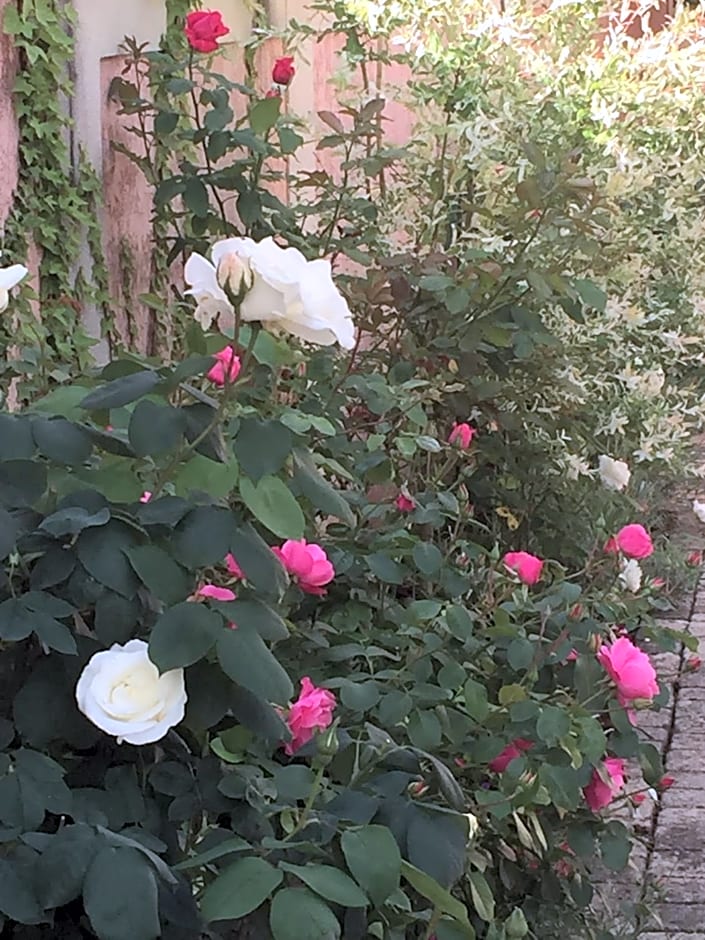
(57, 196)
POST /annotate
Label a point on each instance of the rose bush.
(365, 713)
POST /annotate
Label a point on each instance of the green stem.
(303, 818)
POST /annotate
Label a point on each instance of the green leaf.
(22, 482)
(259, 563)
(476, 702)
(331, 883)
(72, 520)
(203, 536)
(272, 503)
(195, 196)
(8, 533)
(459, 622)
(257, 715)
(373, 857)
(615, 846)
(226, 847)
(155, 429)
(296, 914)
(102, 554)
(122, 391)
(160, 573)
(318, 490)
(16, 440)
(244, 657)
(482, 896)
(254, 615)
(385, 568)
(61, 441)
(60, 870)
(436, 842)
(441, 899)
(520, 654)
(651, 764)
(17, 899)
(427, 558)
(183, 635)
(201, 474)
(590, 294)
(239, 889)
(120, 895)
(262, 447)
(264, 114)
(553, 724)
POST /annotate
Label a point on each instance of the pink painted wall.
(8, 125)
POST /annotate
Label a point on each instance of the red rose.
(283, 70)
(203, 28)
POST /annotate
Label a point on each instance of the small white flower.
(631, 575)
(615, 474)
(288, 292)
(699, 509)
(9, 278)
(121, 692)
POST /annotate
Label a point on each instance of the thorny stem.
(204, 145)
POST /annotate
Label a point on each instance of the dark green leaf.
(262, 447)
(273, 504)
(183, 635)
(72, 520)
(318, 490)
(239, 889)
(160, 573)
(429, 888)
(428, 558)
(196, 196)
(61, 441)
(102, 554)
(259, 563)
(296, 914)
(22, 482)
(331, 883)
(155, 429)
(249, 662)
(120, 895)
(16, 440)
(263, 114)
(373, 857)
(122, 391)
(62, 866)
(203, 537)
(17, 899)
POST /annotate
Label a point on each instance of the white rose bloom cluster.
(615, 474)
(9, 278)
(631, 575)
(278, 287)
(122, 693)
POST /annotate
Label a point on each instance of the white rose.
(615, 474)
(9, 278)
(631, 575)
(288, 292)
(121, 692)
(699, 509)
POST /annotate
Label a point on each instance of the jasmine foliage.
(55, 205)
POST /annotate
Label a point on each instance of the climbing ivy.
(57, 197)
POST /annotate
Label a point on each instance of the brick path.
(667, 875)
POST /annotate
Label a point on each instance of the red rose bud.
(203, 28)
(638, 798)
(693, 663)
(273, 93)
(283, 70)
(695, 559)
(666, 782)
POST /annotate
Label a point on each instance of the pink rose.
(226, 368)
(461, 435)
(283, 70)
(404, 503)
(233, 568)
(312, 711)
(600, 793)
(611, 547)
(634, 541)
(630, 669)
(510, 753)
(145, 497)
(527, 567)
(203, 28)
(307, 563)
(215, 592)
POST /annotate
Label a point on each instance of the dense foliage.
(323, 627)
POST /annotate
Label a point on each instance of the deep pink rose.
(630, 669)
(461, 435)
(510, 753)
(233, 568)
(307, 563)
(216, 593)
(203, 28)
(599, 793)
(527, 567)
(227, 365)
(312, 711)
(283, 70)
(404, 503)
(634, 541)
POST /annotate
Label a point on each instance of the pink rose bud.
(657, 583)
(638, 798)
(404, 503)
(527, 567)
(600, 793)
(510, 753)
(307, 563)
(233, 568)
(630, 669)
(226, 368)
(203, 28)
(460, 762)
(693, 663)
(109, 427)
(634, 541)
(216, 593)
(572, 656)
(145, 497)
(461, 435)
(576, 612)
(611, 547)
(312, 711)
(418, 788)
(695, 558)
(666, 782)
(283, 70)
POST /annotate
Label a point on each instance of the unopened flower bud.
(235, 274)
(473, 825)
(693, 663)
(418, 787)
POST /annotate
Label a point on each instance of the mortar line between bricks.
(666, 749)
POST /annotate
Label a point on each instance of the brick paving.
(662, 895)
